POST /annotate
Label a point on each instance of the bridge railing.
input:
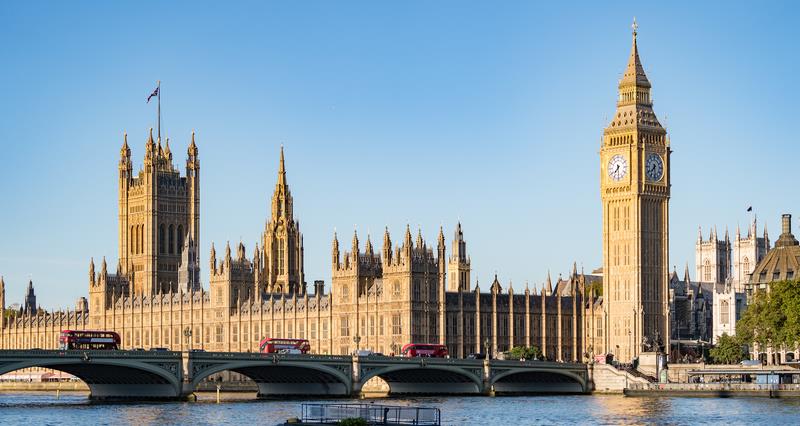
(541, 364)
(259, 356)
(372, 413)
(76, 353)
(417, 360)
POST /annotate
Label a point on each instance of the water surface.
(238, 409)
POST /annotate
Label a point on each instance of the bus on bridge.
(92, 340)
(272, 345)
(428, 350)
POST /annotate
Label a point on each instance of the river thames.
(238, 409)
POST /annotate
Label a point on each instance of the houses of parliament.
(407, 289)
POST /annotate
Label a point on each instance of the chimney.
(319, 287)
(786, 224)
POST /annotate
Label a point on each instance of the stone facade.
(747, 253)
(378, 300)
(712, 257)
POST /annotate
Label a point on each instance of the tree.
(520, 352)
(727, 351)
(772, 318)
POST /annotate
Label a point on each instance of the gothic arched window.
(724, 314)
(161, 239)
(180, 238)
(707, 271)
(746, 265)
(281, 256)
(171, 239)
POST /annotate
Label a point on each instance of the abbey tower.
(635, 190)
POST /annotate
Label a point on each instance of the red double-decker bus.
(88, 340)
(429, 350)
(274, 345)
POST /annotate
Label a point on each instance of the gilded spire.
(282, 168)
(634, 72)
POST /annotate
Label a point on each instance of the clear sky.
(390, 113)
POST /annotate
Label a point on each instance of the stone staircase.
(608, 379)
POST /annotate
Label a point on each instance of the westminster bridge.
(164, 375)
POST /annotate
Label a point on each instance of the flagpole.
(159, 110)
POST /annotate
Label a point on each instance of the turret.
(335, 252)
(149, 149)
(368, 248)
(387, 247)
(212, 261)
(104, 270)
(92, 277)
(168, 152)
(354, 246)
(125, 165)
(407, 244)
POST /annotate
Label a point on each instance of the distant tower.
(713, 258)
(635, 191)
(458, 266)
(158, 211)
(747, 253)
(2, 301)
(189, 270)
(30, 300)
(282, 243)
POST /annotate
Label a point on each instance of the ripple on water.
(238, 409)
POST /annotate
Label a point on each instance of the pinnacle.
(634, 71)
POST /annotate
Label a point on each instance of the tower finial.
(634, 26)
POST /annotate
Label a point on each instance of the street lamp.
(357, 340)
(187, 332)
(486, 349)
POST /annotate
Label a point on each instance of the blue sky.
(390, 113)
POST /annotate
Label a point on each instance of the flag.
(155, 93)
(750, 208)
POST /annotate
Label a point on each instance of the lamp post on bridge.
(486, 348)
(187, 332)
(357, 340)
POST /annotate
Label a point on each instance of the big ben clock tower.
(635, 190)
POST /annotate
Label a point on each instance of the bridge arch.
(425, 378)
(538, 380)
(282, 377)
(110, 378)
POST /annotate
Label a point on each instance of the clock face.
(617, 167)
(654, 167)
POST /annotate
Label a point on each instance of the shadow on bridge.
(512, 377)
(110, 375)
(279, 375)
(422, 376)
